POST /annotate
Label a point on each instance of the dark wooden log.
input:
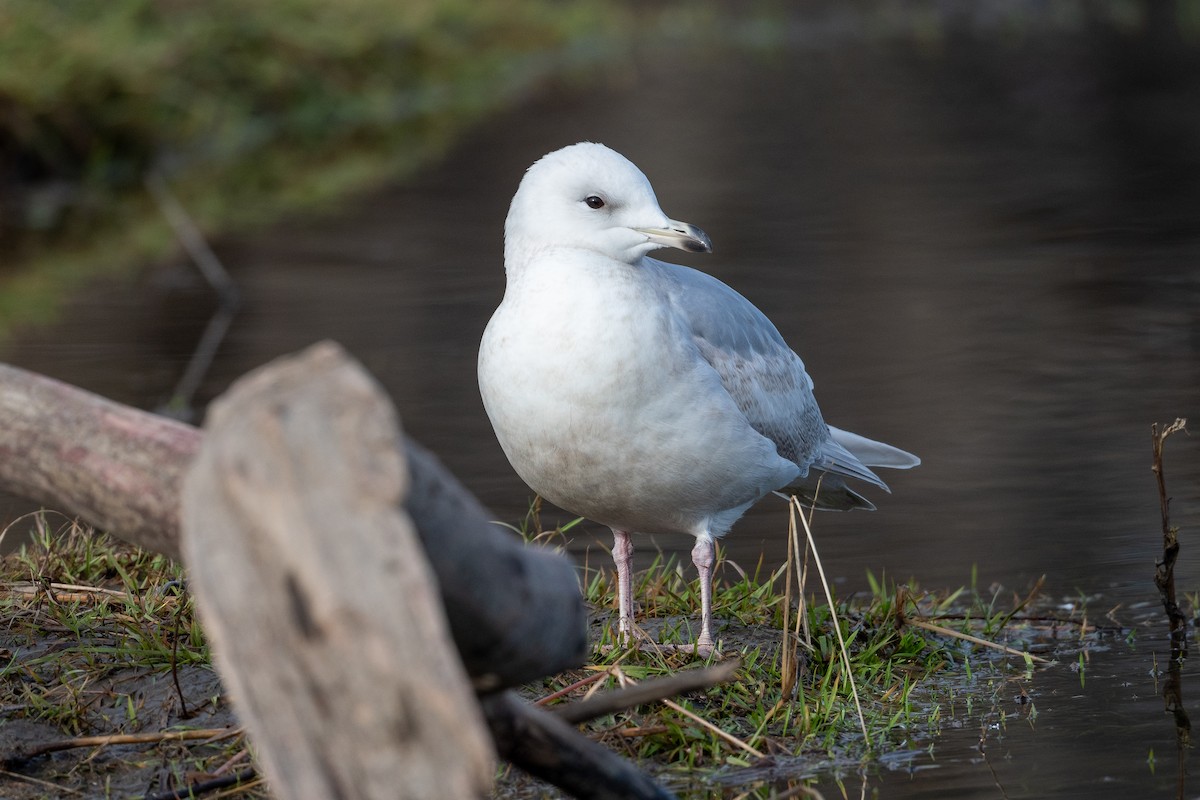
(546, 747)
(314, 589)
(515, 612)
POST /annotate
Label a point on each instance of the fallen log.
(115, 467)
(313, 587)
(515, 612)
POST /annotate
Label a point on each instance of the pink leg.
(623, 558)
(704, 556)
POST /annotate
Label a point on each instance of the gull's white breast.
(604, 406)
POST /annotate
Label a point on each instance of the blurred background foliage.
(250, 110)
(235, 101)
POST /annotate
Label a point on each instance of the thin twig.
(183, 709)
(192, 239)
(241, 779)
(212, 734)
(837, 625)
(39, 782)
(798, 790)
(64, 592)
(645, 730)
(699, 720)
(789, 661)
(1037, 587)
(1164, 573)
(983, 751)
(671, 704)
(1039, 619)
(234, 760)
(646, 692)
(929, 626)
(1164, 579)
(579, 684)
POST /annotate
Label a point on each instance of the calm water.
(986, 247)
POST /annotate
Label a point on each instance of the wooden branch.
(25, 752)
(546, 747)
(190, 791)
(1164, 573)
(516, 612)
(645, 692)
(322, 610)
(1164, 579)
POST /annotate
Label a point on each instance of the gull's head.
(591, 197)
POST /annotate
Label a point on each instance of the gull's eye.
(594, 201)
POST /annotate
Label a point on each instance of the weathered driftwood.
(314, 589)
(515, 612)
(115, 466)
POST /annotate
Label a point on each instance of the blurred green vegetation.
(254, 109)
(248, 108)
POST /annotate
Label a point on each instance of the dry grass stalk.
(966, 637)
(837, 623)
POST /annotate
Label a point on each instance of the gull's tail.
(847, 455)
(873, 453)
(826, 492)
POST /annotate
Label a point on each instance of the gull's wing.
(765, 378)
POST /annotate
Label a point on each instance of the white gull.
(647, 396)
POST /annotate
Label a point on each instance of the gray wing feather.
(769, 384)
(765, 378)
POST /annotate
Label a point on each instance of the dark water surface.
(986, 247)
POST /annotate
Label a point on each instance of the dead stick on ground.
(213, 734)
(646, 692)
(548, 748)
(16, 776)
(33, 588)
(566, 690)
(929, 626)
(243, 780)
(678, 709)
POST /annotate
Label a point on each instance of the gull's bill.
(681, 235)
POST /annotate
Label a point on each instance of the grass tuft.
(918, 659)
(102, 639)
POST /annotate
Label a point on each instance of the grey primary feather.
(873, 453)
(765, 378)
